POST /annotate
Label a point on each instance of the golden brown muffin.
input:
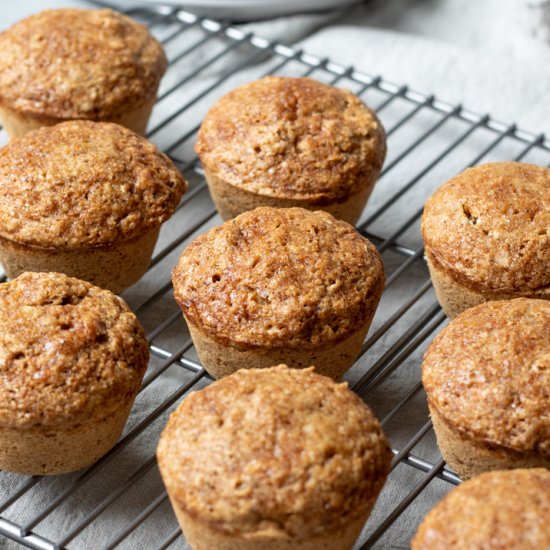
(487, 376)
(506, 510)
(72, 357)
(274, 458)
(285, 142)
(487, 235)
(279, 285)
(78, 64)
(86, 199)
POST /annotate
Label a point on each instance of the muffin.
(286, 142)
(279, 285)
(86, 199)
(487, 377)
(72, 357)
(505, 510)
(274, 459)
(68, 64)
(487, 235)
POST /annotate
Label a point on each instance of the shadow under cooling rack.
(120, 501)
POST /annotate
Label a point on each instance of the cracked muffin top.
(83, 184)
(488, 374)
(279, 277)
(502, 510)
(489, 227)
(74, 63)
(274, 451)
(69, 351)
(292, 138)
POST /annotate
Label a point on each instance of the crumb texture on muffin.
(273, 451)
(489, 227)
(502, 510)
(74, 63)
(279, 277)
(83, 184)
(488, 374)
(292, 137)
(69, 351)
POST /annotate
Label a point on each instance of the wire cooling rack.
(120, 501)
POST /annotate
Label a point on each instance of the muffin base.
(469, 458)
(455, 298)
(230, 201)
(113, 267)
(332, 359)
(18, 124)
(202, 537)
(42, 451)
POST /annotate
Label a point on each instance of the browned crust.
(332, 359)
(230, 201)
(67, 447)
(456, 297)
(470, 457)
(200, 536)
(488, 374)
(73, 63)
(69, 351)
(82, 184)
(17, 124)
(481, 289)
(293, 138)
(506, 510)
(274, 450)
(279, 277)
(114, 267)
(488, 228)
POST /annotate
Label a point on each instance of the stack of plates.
(255, 9)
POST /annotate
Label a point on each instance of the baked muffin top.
(274, 451)
(80, 184)
(292, 138)
(502, 510)
(489, 227)
(488, 374)
(74, 63)
(279, 277)
(69, 351)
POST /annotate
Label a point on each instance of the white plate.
(255, 9)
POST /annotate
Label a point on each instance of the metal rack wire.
(120, 499)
